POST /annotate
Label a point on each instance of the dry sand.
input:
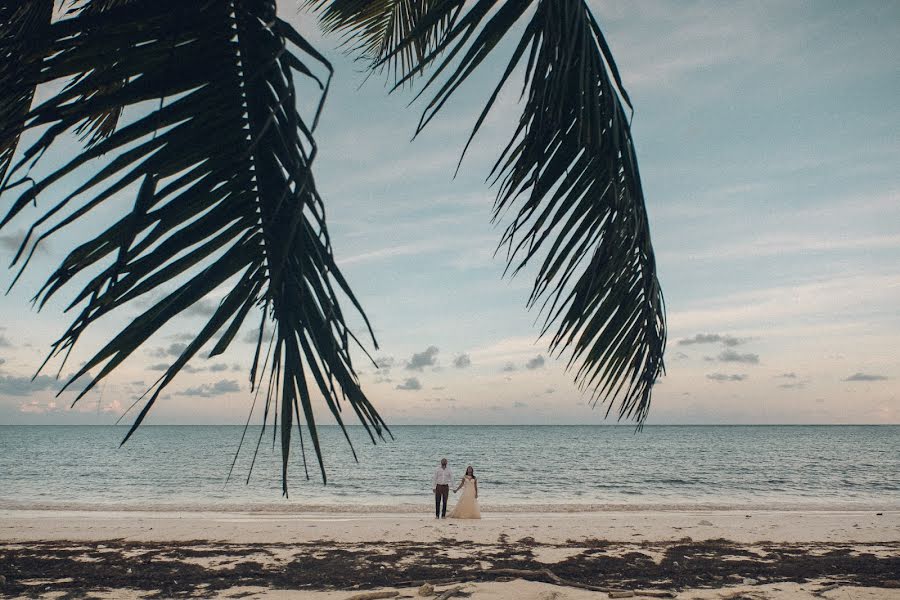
(737, 526)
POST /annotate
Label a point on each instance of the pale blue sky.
(767, 135)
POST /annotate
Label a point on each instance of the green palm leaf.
(226, 197)
(570, 180)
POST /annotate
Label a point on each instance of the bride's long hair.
(471, 471)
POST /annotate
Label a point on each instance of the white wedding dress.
(467, 506)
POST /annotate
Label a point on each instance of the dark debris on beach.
(204, 569)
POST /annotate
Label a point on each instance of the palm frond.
(226, 197)
(102, 124)
(569, 176)
(21, 26)
(376, 29)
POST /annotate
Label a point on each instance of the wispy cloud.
(252, 336)
(835, 294)
(722, 377)
(797, 385)
(219, 388)
(10, 244)
(11, 385)
(711, 338)
(410, 384)
(174, 349)
(865, 377)
(731, 355)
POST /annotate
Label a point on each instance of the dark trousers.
(440, 497)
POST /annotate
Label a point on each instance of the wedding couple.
(467, 506)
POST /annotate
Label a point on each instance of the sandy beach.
(690, 554)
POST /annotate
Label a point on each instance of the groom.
(441, 487)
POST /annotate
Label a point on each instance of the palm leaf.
(375, 29)
(226, 197)
(102, 124)
(569, 178)
(21, 26)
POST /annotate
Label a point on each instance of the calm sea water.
(519, 468)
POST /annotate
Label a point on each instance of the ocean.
(519, 468)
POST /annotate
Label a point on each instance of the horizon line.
(627, 425)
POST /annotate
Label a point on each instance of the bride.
(467, 507)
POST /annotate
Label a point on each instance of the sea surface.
(519, 468)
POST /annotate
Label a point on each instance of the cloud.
(13, 241)
(223, 386)
(114, 407)
(462, 361)
(384, 363)
(797, 385)
(508, 368)
(711, 338)
(79, 384)
(2, 361)
(34, 407)
(218, 367)
(723, 377)
(790, 375)
(11, 385)
(252, 336)
(865, 377)
(5, 343)
(203, 308)
(165, 366)
(411, 384)
(420, 360)
(535, 363)
(550, 390)
(518, 404)
(730, 355)
(173, 350)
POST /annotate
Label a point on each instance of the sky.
(768, 136)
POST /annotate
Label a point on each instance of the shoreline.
(410, 508)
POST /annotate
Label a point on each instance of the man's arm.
(434, 481)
